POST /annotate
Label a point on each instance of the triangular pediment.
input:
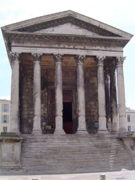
(67, 22)
(67, 28)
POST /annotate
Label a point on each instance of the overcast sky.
(117, 13)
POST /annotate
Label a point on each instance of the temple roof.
(46, 24)
(67, 26)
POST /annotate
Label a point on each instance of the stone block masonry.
(26, 95)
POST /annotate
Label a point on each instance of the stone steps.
(73, 153)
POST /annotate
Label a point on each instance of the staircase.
(73, 153)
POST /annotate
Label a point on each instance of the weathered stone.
(10, 147)
(121, 95)
(62, 96)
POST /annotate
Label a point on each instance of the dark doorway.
(67, 117)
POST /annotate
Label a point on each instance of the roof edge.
(62, 14)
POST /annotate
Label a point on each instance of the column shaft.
(114, 117)
(121, 95)
(58, 95)
(101, 95)
(81, 94)
(107, 98)
(15, 124)
(37, 93)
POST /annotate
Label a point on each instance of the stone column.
(107, 98)
(101, 94)
(121, 95)
(81, 94)
(58, 95)
(37, 94)
(113, 99)
(15, 122)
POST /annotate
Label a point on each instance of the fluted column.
(121, 95)
(81, 94)
(58, 95)
(37, 93)
(101, 94)
(15, 122)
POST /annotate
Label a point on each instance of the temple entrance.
(67, 112)
(67, 117)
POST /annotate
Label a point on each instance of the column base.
(36, 132)
(114, 132)
(114, 125)
(82, 132)
(59, 132)
(103, 132)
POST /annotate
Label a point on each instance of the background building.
(130, 119)
(4, 115)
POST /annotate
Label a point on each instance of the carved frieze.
(35, 39)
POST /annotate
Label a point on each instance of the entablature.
(64, 39)
(67, 51)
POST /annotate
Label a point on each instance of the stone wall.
(47, 86)
(91, 94)
(26, 94)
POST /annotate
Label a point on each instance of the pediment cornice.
(69, 19)
(30, 31)
(72, 17)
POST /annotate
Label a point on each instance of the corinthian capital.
(100, 60)
(14, 56)
(120, 61)
(58, 57)
(37, 56)
(80, 58)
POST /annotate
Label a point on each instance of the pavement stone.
(118, 175)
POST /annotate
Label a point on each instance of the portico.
(78, 61)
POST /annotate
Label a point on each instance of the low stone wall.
(129, 141)
(10, 150)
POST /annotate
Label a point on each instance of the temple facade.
(67, 78)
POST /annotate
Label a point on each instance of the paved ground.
(120, 175)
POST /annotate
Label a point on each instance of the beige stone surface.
(14, 127)
(37, 94)
(121, 95)
(10, 151)
(101, 94)
(81, 93)
(120, 175)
